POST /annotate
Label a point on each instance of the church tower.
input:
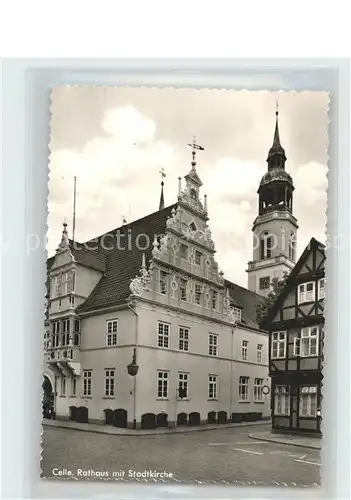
(275, 227)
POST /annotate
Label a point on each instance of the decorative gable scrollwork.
(229, 310)
(139, 284)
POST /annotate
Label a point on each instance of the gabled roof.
(247, 301)
(313, 244)
(123, 260)
(88, 257)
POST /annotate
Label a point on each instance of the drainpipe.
(129, 304)
(231, 371)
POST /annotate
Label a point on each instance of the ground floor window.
(243, 388)
(258, 384)
(282, 400)
(87, 375)
(162, 384)
(212, 387)
(308, 401)
(183, 379)
(109, 383)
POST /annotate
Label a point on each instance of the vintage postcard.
(185, 286)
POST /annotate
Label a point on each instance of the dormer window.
(64, 283)
(306, 292)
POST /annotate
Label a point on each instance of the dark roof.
(247, 300)
(124, 263)
(276, 174)
(313, 244)
(89, 257)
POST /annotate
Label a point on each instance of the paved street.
(225, 455)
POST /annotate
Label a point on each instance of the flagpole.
(74, 208)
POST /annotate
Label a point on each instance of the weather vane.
(162, 172)
(195, 147)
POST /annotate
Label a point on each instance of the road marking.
(236, 442)
(307, 462)
(249, 451)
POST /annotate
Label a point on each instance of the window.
(162, 384)
(183, 339)
(259, 353)
(73, 385)
(56, 327)
(66, 326)
(214, 297)
(282, 400)
(57, 286)
(198, 258)
(109, 382)
(258, 394)
(321, 293)
(243, 388)
(264, 283)
(266, 244)
(163, 282)
(46, 340)
(308, 401)
(306, 292)
(183, 289)
(71, 300)
(184, 251)
(63, 386)
(71, 275)
(111, 332)
(212, 387)
(76, 326)
(307, 344)
(55, 341)
(183, 379)
(198, 293)
(192, 226)
(87, 382)
(212, 344)
(67, 282)
(278, 345)
(292, 247)
(163, 334)
(244, 346)
(76, 331)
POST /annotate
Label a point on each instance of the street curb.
(141, 433)
(289, 443)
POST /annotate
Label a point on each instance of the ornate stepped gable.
(131, 257)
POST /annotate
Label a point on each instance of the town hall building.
(143, 329)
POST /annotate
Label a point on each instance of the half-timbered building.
(295, 325)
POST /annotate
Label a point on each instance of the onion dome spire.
(276, 156)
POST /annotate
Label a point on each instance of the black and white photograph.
(183, 332)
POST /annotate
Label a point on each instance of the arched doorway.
(48, 398)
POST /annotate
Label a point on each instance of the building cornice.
(176, 351)
(219, 321)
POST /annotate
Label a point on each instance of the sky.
(116, 141)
